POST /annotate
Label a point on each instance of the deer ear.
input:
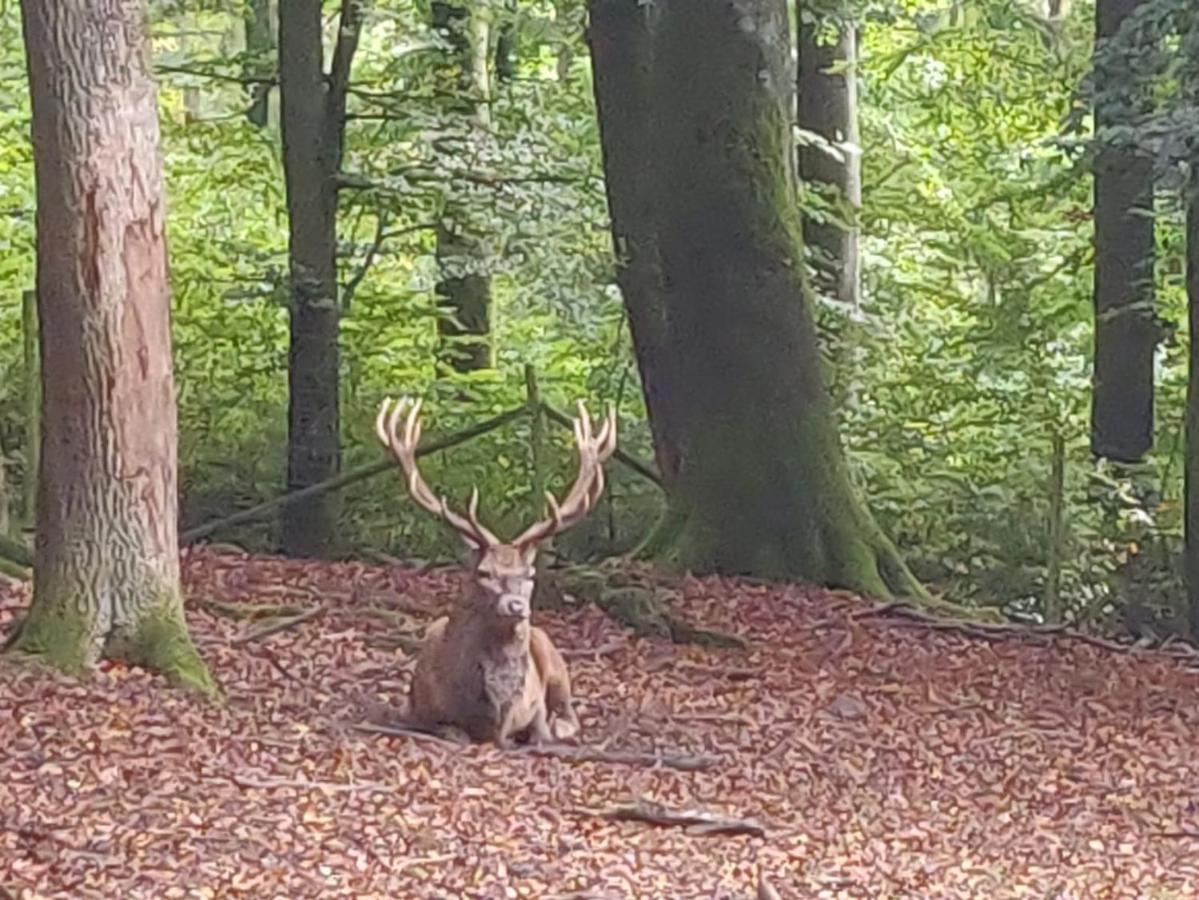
(528, 554)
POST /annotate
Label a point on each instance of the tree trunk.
(107, 558)
(1191, 489)
(260, 60)
(620, 36)
(828, 106)
(464, 290)
(313, 120)
(32, 391)
(1125, 327)
(762, 485)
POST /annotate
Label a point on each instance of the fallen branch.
(901, 614)
(558, 751)
(405, 731)
(274, 784)
(280, 625)
(346, 478)
(594, 653)
(248, 610)
(683, 763)
(696, 821)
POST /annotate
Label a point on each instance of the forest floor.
(866, 755)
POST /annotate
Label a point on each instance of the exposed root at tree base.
(631, 595)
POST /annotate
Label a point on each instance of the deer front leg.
(539, 730)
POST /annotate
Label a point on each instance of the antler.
(403, 447)
(589, 485)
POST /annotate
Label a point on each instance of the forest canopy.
(968, 372)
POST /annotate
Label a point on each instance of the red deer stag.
(484, 670)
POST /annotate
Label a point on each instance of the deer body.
(479, 680)
(485, 669)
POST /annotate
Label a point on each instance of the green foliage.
(973, 343)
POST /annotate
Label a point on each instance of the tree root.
(631, 596)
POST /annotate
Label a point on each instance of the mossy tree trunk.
(313, 108)
(1126, 333)
(621, 40)
(107, 561)
(762, 485)
(464, 289)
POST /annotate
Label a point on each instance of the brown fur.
(492, 684)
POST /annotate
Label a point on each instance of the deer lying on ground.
(485, 670)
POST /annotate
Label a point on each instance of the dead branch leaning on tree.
(485, 669)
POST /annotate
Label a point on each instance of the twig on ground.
(901, 615)
(732, 673)
(405, 731)
(280, 625)
(696, 821)
(722, 718)
(272, 784)
(409, 645)
(248, 610)
(684, 763)
(595, 653)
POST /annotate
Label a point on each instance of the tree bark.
(620, 37)
(260, 60)
(33, 406)
(828, 106)
(762, 486)
(464, 290)
(1125, 326)
(313, 123)
(1191, 468)
(107, 559)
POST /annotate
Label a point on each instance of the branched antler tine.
(592, 450)
(403, 448)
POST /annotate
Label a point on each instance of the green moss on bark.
(59, 634)
(160, 641)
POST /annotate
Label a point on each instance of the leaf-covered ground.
(883, 760)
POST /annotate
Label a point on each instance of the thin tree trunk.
(33, 405)
(1125, 329)
(762, 485)
(464, 290)
(1191, 490)
(828, 106)
(260, 60)
(313, 120)
(107, 559)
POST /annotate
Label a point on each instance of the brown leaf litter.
(850, 756)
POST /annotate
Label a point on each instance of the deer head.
(503, 570)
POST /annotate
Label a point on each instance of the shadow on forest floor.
(882, 761)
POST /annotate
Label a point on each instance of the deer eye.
(490, 585)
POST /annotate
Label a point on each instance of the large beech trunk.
(106, 569)
(762, 486)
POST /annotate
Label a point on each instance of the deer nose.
(514, 605)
